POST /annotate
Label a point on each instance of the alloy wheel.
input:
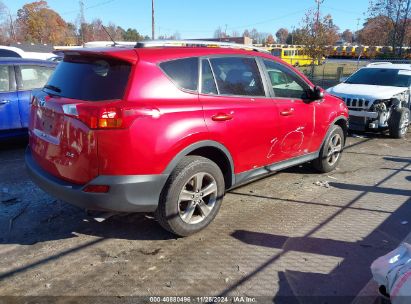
(334, 149)
(197, 198)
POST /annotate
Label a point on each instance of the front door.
(238, 112)
(296, 114)
(9, 103)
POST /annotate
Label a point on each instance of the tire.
(181, 213)
(331, 151)
(399, 122)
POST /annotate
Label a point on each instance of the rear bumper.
(128, 193)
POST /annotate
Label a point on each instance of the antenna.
(108, 34)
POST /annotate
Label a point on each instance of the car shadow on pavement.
(346, 280)
(58, 220)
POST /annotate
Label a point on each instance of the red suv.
(170, 129)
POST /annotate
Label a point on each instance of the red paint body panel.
(62, 145)
(167, 119)
(250, 134)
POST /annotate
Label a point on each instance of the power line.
(241, 26)
(88, 7)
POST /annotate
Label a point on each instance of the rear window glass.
(92, 79)
(183, 72)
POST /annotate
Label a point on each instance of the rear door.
(9, 104)
(29, 77)
(238, 112)
(296, 114)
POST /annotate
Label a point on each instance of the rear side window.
(4, 78)
(208, 85)
(34, 77)
(183, 72)
(8, 53)
(237, 76)
(90, 78)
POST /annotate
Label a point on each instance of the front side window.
(34, 77)
(237, 76)
(283, 82)
(183, 72)
(4, 78)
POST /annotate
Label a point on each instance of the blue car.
(18, 77)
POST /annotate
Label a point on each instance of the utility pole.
(319, 2)
(82, 20)
(152, 20)
(13, 34)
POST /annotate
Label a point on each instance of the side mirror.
(317, 93)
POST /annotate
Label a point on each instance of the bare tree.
(347, 36)
(270, 39)
(282, 35)
(316, 34)
(219, 33)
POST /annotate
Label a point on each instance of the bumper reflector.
(96, 188)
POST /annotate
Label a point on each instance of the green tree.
(132, 35)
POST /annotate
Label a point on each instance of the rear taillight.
(97, 117)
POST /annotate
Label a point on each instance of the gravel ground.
(294, 237)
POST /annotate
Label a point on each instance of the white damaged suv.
(378, 98)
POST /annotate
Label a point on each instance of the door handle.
(287, 112)
(222, 117)
(4, 102)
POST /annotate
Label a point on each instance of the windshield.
(381, 77)
(88, 78)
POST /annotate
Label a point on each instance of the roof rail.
(378, 63)
(197, 43)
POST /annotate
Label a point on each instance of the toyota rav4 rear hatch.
(81, 98)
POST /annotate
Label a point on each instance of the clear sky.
(200, 18)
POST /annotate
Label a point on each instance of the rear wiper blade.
(52, 88)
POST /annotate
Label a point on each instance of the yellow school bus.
(293, 55)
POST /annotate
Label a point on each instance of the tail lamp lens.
(99, 117)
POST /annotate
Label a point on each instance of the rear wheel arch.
(211, 150)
